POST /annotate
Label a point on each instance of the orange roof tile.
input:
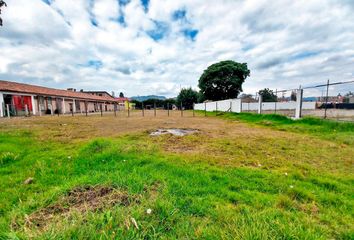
(38, 90)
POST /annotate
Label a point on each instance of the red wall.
(21, 101)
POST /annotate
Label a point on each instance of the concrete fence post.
(39, 107)
(8, 110)
(51, 109)
(298, 110)
(260, 100)
(128, 109)
(142, 108)
(181, 109)
(205, 109)
(26, 109)
(64, 108)
(154, 109)
(34, 107)
(168, 109)
(276, 100)
(74, 106)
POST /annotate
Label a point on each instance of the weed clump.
(97, 146)
(8, 157)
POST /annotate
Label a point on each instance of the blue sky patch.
(123, 2)
(48, 1)
(160, 31)
(247, 47)
(92, 16)
(179, 14)
(190, 33)
(303, 55)
(121, 19)
(93, 21)
(97, 64)
(145, 4)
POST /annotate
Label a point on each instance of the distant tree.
(187, 97)
(169, 102)
(201, 97)
(223, 80)
(247, 98)
(121, 95)
(150, 103)
(2, 4)
(293, 96)
(349, 94)
(268, 95)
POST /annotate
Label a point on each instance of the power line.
(317, 86)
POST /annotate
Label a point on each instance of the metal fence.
(328, 100)
(167, 110)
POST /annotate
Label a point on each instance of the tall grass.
(327, 129)
(190, 196)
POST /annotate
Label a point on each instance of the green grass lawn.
(293, 182)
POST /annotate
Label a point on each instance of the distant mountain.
(144, 98)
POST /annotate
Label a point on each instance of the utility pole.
(325, 116)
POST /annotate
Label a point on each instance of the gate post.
(298, 110)
(260, 104)
(8, 110)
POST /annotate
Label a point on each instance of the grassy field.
(242, 176)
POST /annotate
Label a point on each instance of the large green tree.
(223, 80)
(268, 95)
(187, 97)
(2, 4)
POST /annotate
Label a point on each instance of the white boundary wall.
(279, 106)
(224, 105)
(236, 106)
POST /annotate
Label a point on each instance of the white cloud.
(100, 44)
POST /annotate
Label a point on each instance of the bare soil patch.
(173, 131)
(81, 199)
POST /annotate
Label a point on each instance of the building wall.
(2, 110)
(42, 104)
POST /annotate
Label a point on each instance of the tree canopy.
(187, 97)
(268, 95)
(223, 80)
(154, 102)
(2, 4)
(121, 95)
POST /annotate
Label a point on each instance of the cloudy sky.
(155, 46)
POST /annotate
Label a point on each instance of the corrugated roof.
(38, 90)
